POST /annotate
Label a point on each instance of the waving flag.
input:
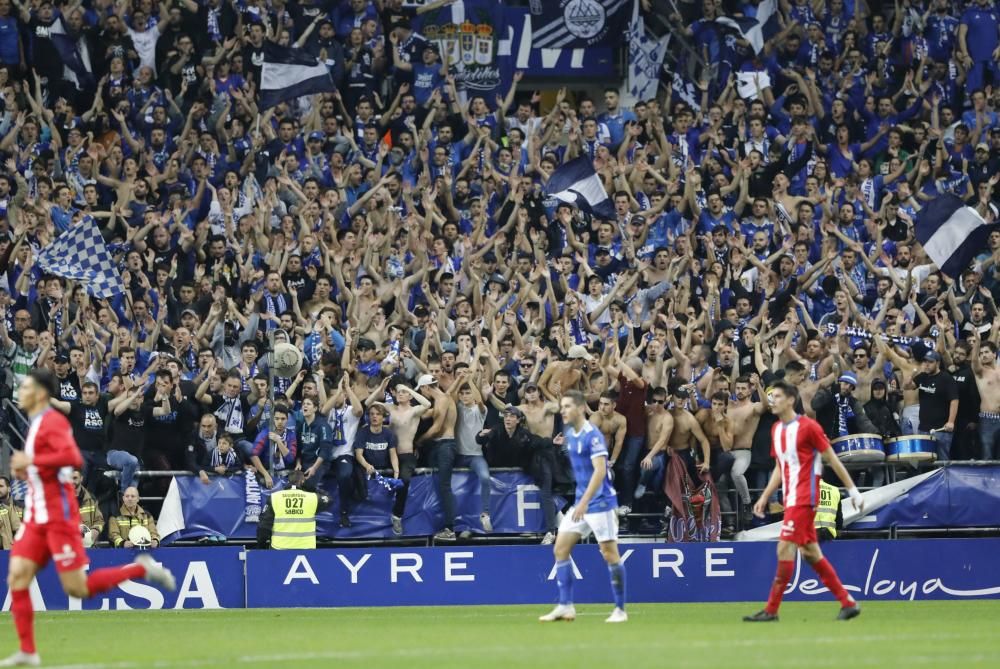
(291, 73)
(953, 234)
(645, 59)
(74, 54)
(755, 29)
(80, 254)
(577, 183)
(576, 24)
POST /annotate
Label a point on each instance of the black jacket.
(880, 414)
(824, 403)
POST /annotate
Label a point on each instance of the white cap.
(425, 380)
(577, 352)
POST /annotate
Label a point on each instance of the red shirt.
(797, 446)
(54, 455)
(632, 405)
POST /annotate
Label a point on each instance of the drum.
(911, 448)
(859, 448)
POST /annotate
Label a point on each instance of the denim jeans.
(943, 442)
(442, 454)
(989, 435)
(128, 465)
(477, 464)
(652, 478)
(343, 469)
(629, 466)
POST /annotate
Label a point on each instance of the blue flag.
(952, 233)
(80, 254)
(577, 24)
(577, 183)
(289, 73)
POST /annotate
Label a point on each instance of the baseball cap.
(531, 385)
(62, 358)
(849, 377)
(365, 343)
(725, 324)
(189, 311)
(577, 352)
(602, 250)
(425, 380)
(513, 411)
(676, 388)
(982, 146)
(932, 356)
(877, 382)
(318, 135)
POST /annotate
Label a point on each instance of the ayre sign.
(656, 573)
(217, 577)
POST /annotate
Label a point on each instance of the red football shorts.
(799, 525)
(60, 542)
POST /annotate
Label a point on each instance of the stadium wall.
(229, 577)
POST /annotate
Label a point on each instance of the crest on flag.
(575, 24)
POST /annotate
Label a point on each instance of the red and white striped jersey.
(54, 455)
(797, 446)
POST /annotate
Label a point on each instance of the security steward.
(829, 519)
(288, 522)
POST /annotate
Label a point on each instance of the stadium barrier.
(229, 577)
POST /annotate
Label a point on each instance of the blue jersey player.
(594, 510)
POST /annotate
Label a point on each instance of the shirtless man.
(743, 417)
(442, 448)
(539, 415)
(909, 419)
(655, 367)
(404, 418)
(563, 375)
(659, 427)
(686, 429)
(818, 367)
(984, 366)
(860, 365)
(610, 423)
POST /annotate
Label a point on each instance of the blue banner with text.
(721, 572)
(229, 507)
(214, 577)
(207, 578)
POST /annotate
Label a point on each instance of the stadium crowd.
(399, 233)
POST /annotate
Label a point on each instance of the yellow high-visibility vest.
(826, 512)
(294, 519)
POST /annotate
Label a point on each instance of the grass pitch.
(702, 636)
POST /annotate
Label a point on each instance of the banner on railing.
(228, 507)
(214, 577)
(207, 578)
(898, 570)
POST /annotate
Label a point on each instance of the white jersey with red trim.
(797, 446)
(54, 455)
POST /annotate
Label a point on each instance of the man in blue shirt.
(594, 510)
(615, 117)
(978, 42)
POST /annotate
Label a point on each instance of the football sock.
(781, 578)
(828, 575)
(617, 573)
(102, 580)
(564, 578)
(24, 619)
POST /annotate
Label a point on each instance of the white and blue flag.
(289, 73)
(755, 29)
(645, 59)
(578, 184)
(576, 24)
(80, 254)
(952, 233)
(74, 53)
